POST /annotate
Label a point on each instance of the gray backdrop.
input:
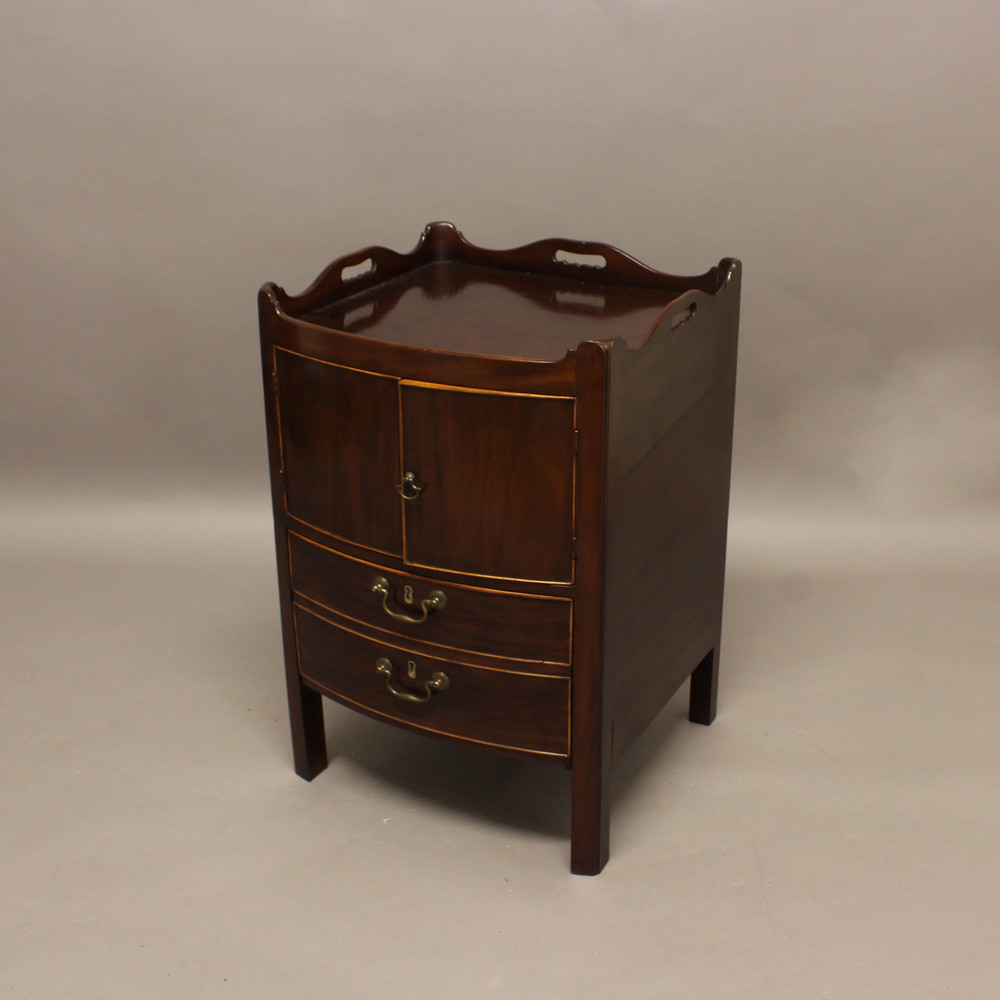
(833, 833)
(162, 160)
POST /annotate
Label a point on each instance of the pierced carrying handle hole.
(580, 259)
(352, 271)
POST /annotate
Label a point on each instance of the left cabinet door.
(339, 431)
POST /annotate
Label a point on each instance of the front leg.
(305, 710)
(591, 829)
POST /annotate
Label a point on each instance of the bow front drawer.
(499, 708)
(532, 629)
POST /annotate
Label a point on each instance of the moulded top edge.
(537, 301)
(574, 260)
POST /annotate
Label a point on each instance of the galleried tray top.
(534, 302)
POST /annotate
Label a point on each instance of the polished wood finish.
(444, 304)
(566, 414)
(339, 444)
(506, 709)
(593, 686)
(497, 470)
(537, 630)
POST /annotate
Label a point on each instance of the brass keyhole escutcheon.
(436, 600)
(438, 681)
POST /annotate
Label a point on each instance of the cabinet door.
(495, 476)
(340, 450)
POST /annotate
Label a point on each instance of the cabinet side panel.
(666, 545)
(670, 444)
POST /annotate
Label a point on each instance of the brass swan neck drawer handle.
(434, 601)
(438, 682)
(411, 487)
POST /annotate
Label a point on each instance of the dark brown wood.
(415, 363)
(340, 450)
(453, 306)
(566, 413)
(305, 708)
(705, 689)
(670, 448)
(502, 708)
(536, 629)
(593, 699)
(308, 730)
(595, 263)
(497, 475)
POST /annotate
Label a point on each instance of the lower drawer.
(501, 708)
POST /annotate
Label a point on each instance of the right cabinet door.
(493, 482)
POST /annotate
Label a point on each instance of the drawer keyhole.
(436, 600)
(438, 682)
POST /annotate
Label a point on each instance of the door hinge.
(574, 546)
(576, 441)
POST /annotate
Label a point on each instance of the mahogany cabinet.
(500, 483)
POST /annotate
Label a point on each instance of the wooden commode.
(500, 484)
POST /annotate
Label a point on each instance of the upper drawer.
(490, 622)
